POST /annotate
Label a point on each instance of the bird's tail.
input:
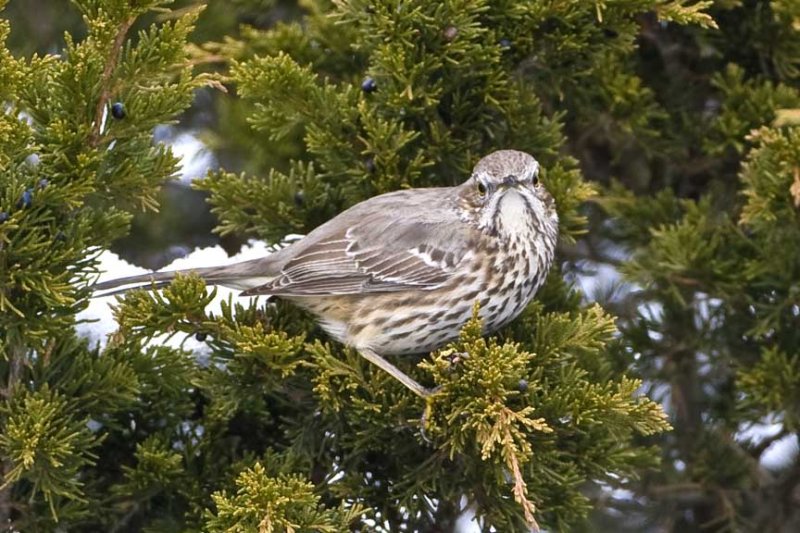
(244, 275)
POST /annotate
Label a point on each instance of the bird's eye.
(536, 180)
(481, 189)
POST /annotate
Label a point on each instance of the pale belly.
(413, 322)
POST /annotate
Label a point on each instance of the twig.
(521, 490)
(757, 450)
(108, 70)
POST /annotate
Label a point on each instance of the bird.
(400, 273)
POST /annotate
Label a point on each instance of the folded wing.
(372, 255)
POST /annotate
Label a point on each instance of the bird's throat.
(513, 215)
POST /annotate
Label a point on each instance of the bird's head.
(505, 197)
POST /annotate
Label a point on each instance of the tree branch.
(105, 79)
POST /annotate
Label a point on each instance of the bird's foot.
(427, 414)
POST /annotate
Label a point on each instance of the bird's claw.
(430, 394)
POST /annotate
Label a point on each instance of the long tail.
(244, 275)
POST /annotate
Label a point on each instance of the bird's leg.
(395, 372)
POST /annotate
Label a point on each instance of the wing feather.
(372, 257)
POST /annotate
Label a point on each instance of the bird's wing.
(374, 254)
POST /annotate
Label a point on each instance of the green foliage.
(267, 208)
(773, 386)
(683, 117)
(69, 173)
(436, 108)
(687, 14)
(46, 446)
(158, 467)
(747, 104)
(269, 504)
(713, 254)
(768, 177)
(66, 171)
(523, 411)
(771, 215)
(682, 254)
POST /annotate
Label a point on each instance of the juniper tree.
(72, 170)
(708, 211)
(141, 435)
(275, 426)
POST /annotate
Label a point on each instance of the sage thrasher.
(399, 273)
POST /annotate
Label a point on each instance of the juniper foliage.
(683, 115)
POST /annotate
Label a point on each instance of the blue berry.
(200, 336)
(505, 43)
(369, 165)
(523, 385)
(369, 85)
(25, 200)
(118, 110)
(299, 199)
(43, 183)
(3, 216)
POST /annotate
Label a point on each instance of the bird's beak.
(510, 181)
